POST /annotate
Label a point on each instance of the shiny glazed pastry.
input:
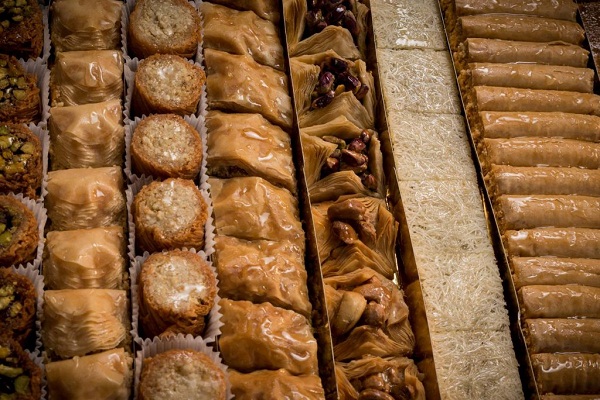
(86, 25)
(22, 33)
(181, 374)
(105, 375)
(167, 84)
(559, 242)
(85, 258)
(89, 135)
(567, 373)
(21, 378)
(82, 77)
(19, 233)
(20, 94)
(17, 305)
(166, 146)
(82, 321)
(555, 271)
(177, 290)
(81, 198)
(267, 9)
(279, 384)
(20, 161)
(168, 215)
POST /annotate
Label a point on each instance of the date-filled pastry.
(105, 375)
(22, 33)
(19, 234)
(86, 24)
(82, 321)
(20, 94)
(169, 215)
(85, 258)
(82, 77)
(20, 161)
(21, 377)
(181, 374)
(17, 305)
(166, 83)
(177, 290)
(82, 198)
(163, 27)
(166, 146)
(89, 135)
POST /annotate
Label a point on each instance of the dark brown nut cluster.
(12, 12)
(386, 385)
(331, 12)
(350, 156)
(336, 78)
(15, 151)
(13, 83)
(9, 304)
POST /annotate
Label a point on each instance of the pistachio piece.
(21, 82)
(17, 18)
(326, 81)
(5, 301)
(28, 148)
(20, 3)
(7, 154)
(19, 94)
(22, 384)
(4, 352)
(14, 168)
(4, 83)
(7, 290)
(5, 142)
(323, 101)
(5, 238)
(331, 165)
(15, 146)
(369, 181)
(15, 309)
(357, 145)
(361, 92)
(11, 372)
(339, 90)
(9, 3)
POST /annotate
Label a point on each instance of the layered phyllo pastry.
(275, 384)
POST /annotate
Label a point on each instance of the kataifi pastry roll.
(166, 146)
(20, 376)
(181, 374)
(20, 161)
(22, 33)
(163, 27)
(278, 384)
(19, 232)
(169, 214)
(177, 290)
(166, 83)
(20, 94)
(17, 305)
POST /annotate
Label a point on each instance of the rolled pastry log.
(507, 179)
(570, 397)
(567, 373)
(532, 211)
(555, 271)
(509, 51)
(560, 301)
(558, 242)
(530, 76)
(561, 9)
(533, 152)
(521, 28)
(507, 124)
(561, 335)
(493, 98)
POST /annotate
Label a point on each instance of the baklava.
(279, 384)
(20, 95)
(22, 33)
(20, 161)
(19, 232)
(17, 305)
(21, 377)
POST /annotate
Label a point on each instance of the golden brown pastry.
(558, 242)
(17, 305)
(267, 9)
(89, 135)
(562, 335)
(86, 25)
(555, 271)
(274, 385)
(168, 215)
(176, 292)
(82, 77)
(165, 84)
(20, 92)
(81, 198)
(163, 27)
(166, 146)
(22, 33)
(21, 161)
(21, 377)
(567, 373)
(559, 301)
(181, 374)
(105, 375)
(19, 232)
(85, 258)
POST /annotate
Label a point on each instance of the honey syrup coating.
(19, 93)
(18, 232)
(20, 160)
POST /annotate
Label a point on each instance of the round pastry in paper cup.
(21, 94)
(21, 375)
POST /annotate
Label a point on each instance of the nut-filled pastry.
(22, 33)
(85, 258)
(163, 27)
(21, 378)
(82, 198)
(168, 215)
(20, 101)
(82, 77)
(177, 290)
(20, 161)
(17, 305)
(83, 321)
(272, 385)
(105, 375)
(19, 234)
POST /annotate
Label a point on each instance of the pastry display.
(181, 374)
(262, 149)
(177, 291)
(166, 146)
(106, 375)
(163, 27)
(167, 84)
(85, 259)
(279, 384)
(19, 234)
(22, 33)
(21, 378)
(82, 77)
(86, 25)
(17, 305)
(21, 161)
(20, 92)
(89, 135)
(81, 198)
(83, 321)
(168, 215)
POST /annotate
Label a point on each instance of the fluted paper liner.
(42, 134)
